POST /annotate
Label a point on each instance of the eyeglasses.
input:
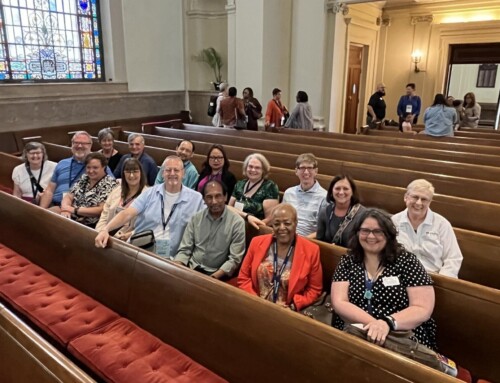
(170, 170)
(254, 167)
(364, 232)
(415, 198)
(35, 153)
(78, 143)
(214, 158)
(302, 169)
(136, 171)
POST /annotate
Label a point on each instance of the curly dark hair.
(393, 248)
(206, 169)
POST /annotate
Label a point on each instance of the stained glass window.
(50, 40)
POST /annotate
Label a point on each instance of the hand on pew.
(102, 239)
(377, 331)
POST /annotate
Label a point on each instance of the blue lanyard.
(277, 274)
(368, 295)
(70, 180)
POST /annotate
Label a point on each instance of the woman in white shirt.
(32, 177)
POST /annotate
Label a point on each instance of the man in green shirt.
(184, 150)
(214, 240)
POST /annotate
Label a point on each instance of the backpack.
(212, 106)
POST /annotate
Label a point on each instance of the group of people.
(382, 281)
(442, 118)
(230, 109)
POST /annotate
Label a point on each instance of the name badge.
(239, 205)
(408, 108)
(390, 281)
(162, 248)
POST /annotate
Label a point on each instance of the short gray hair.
(133, 136)
(172, 157)
(105, 133)
(420, 185)
(266, 166)
(81, 133)
(33, 145)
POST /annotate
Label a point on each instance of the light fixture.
(416, 57)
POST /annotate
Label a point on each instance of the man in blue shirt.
(67, 171)
(409, 103)
(185, 150)
(136, 145)
(164, 208)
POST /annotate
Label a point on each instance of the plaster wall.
(463, 80)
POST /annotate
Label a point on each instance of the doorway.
(352, 88)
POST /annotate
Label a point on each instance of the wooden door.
(352, 97)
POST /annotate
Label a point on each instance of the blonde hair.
(266, 166)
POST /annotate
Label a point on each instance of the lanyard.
(127, 201)
(71, 180)
(248, 188)
(277, 274)
(369, 283)
(35, 184)
(165, 223)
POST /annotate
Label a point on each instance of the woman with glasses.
(381, 286)
(106, 139)
(283, 267)
(427, 234)
(85, 200)
(339, 215)
(216, 166)
(255, 196)
(132, 185)
(32, 177)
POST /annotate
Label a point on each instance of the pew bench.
(113, 347)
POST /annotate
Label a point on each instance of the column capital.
(335, 6)
(422, 19)
(383, 21)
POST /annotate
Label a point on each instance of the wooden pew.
(7, 164)
(482, 269)
(489, 173)
(26, 357)
(398, 150)
(336, 138)
(481, 190)
(238, 336)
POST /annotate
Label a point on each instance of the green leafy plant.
(213, 59)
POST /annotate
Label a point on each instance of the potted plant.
(213, 59)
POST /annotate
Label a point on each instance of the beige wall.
(464, 78)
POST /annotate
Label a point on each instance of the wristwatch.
(391, 322)
(246, 217)
(76, 211)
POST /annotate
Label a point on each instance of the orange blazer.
(306, 275)
(274, 113)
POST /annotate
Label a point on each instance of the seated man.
(165, 208)
(426, 234)
(185, 150)
(308, 196)
(67, 171)
(136, 145)
(214, 240)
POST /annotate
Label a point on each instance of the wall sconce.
(416, 57)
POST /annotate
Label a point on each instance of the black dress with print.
(387, 300)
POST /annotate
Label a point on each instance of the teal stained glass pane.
(48, 39)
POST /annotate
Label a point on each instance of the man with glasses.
(308, 196)
(136, 146)
(67, 171)
(185, 151)
(427, 234)
(164, 208)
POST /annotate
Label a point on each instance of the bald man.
(376, 107)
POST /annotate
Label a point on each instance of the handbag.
(321, 310)
(401, 343)
(145, 240)
(212, 106)
(255, 114)
(241, 123)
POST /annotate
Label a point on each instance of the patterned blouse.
(265, 273)
(387, 300)
(254, 204)
(85, 196)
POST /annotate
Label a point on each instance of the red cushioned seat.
(54, 306)
(464, 375)
(123, 352)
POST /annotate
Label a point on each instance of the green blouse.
(254, 204)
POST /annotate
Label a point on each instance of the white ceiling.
(394, 3)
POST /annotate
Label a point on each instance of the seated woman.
(133, 184)
(283, 267)
(106, 139)
(216, 167)
(337, 218)
(255, 196)
(382, 286)
(32, 177)
(85, 200)
(439, 119)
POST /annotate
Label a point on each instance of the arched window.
(50, 41)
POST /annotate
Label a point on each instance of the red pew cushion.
(464, 375)
(54, 306)
(123, 352)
